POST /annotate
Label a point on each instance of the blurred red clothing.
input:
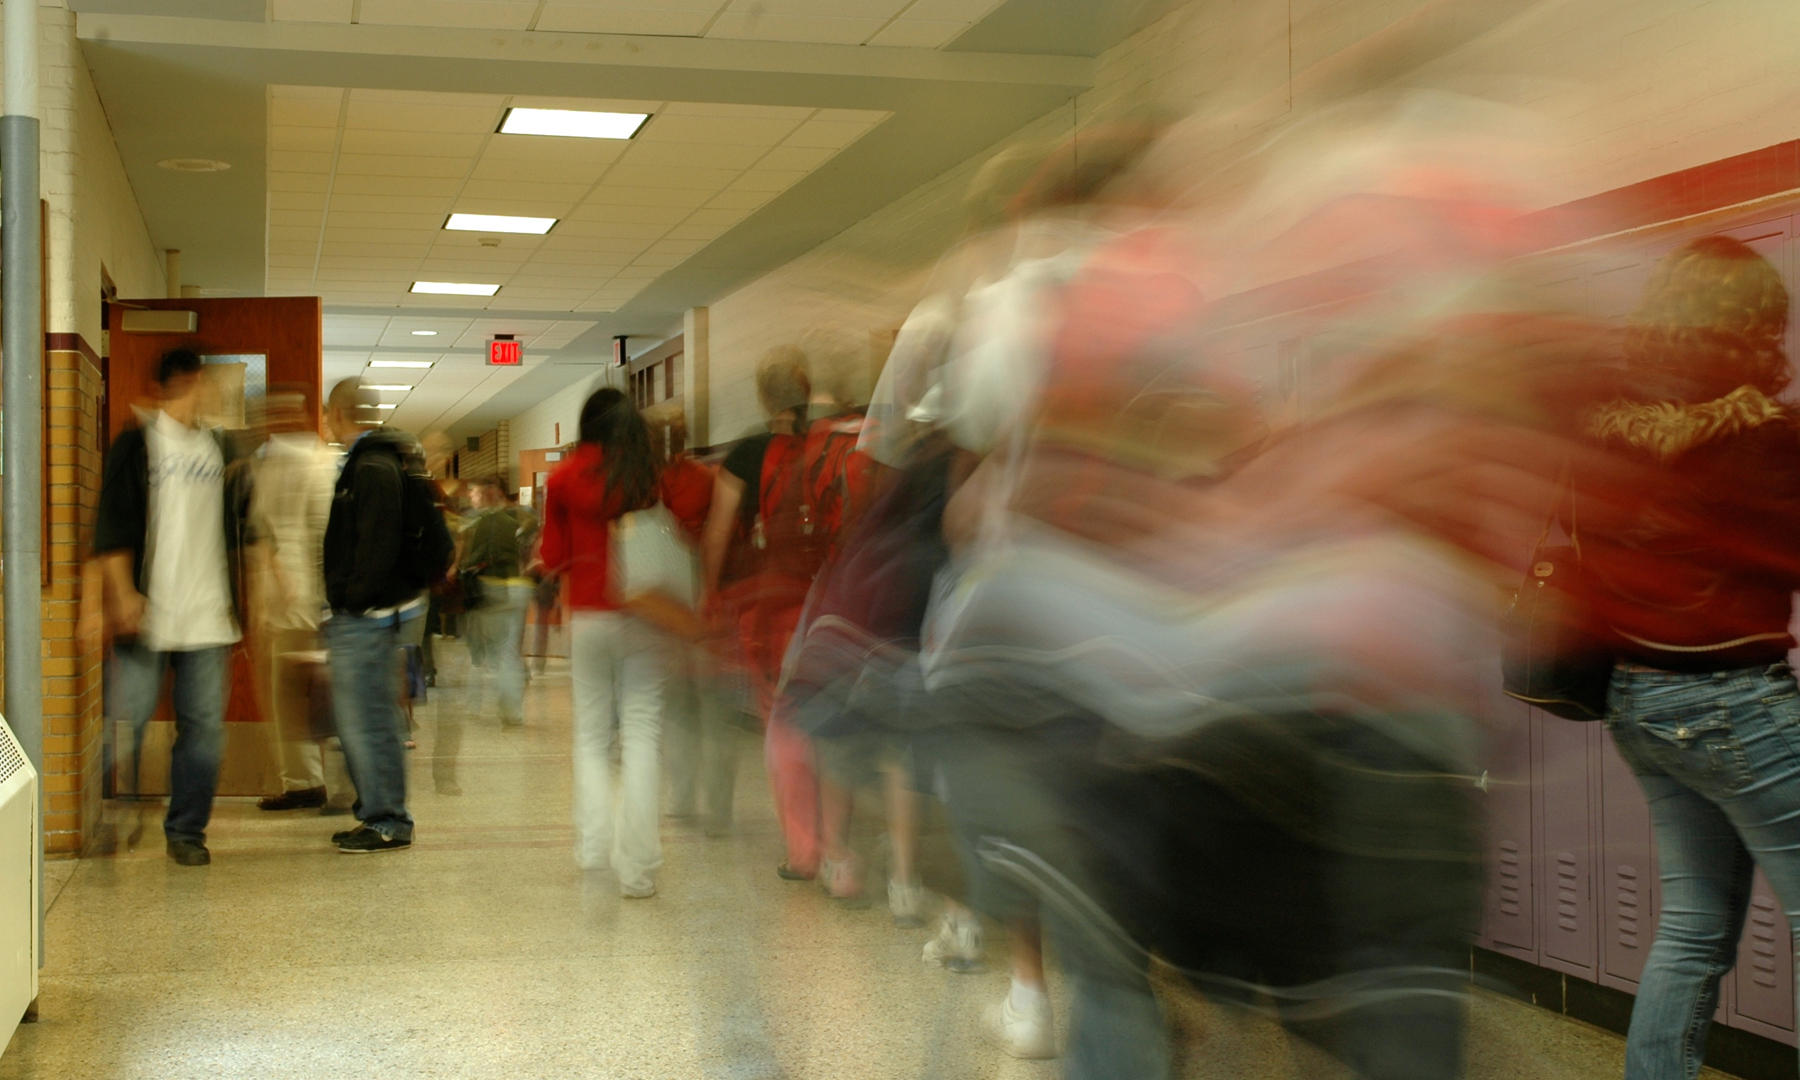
(578, 515)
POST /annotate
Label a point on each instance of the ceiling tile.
(796, 157)
(399, 116)
(865, 116)
(918, 33)
(388, 204)
(334, 263)
(407, 255)
(695, 232)
(714, 216)
(862, 9)
(717, 130)
(294, 137)
(523, 192)
(350, 219)
(437, 187)
(297, 218)
(287, 181)
(667, 176)
(699, 155)
(745, 25)
(586, 19)
(828, 134)
(474, 14)
(398, 165)
(621, 222)
(335, 233)
(607, 195)
(299, 162)
(739, 200)
(583, 173)
(297, 200)
(427, 143)
(294, 234)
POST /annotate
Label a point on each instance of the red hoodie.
(578, 514)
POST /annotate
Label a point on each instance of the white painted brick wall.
(94, 219)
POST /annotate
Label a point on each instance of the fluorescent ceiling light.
(387, 406)
(572, 123)
(368, 386)
(424, 333)
(508, 223)
(400, 363)
(455, 288)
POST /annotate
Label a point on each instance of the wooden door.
(276, 341)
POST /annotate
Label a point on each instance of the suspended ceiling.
(354, 127)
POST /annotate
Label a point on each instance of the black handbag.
(1554, 653)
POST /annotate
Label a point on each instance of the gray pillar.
(22, 382)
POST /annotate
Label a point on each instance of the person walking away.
(289, 508)
(386, 542)
(492, 555)
(170, 528)
(619, 662)
(1696, 570)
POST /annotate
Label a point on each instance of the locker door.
(1565, 891)
(1508, 915)
(1765, 969)
(1627, 873)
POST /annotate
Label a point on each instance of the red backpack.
(809, 483)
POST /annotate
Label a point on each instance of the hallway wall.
(1621, 90)
(93, 222)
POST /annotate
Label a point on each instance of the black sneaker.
(365, 841)
(340, 837)
(303, 799)
(189, 853)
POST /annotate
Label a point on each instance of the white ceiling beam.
(594, 50)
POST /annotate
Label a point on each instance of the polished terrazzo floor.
(483, 952)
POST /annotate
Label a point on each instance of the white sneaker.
(906, 901)
(637, 892)
(1030, 1034)
(957, 944)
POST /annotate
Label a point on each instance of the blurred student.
(619, 660)
(295, 475)
(385, 543)
(170, 528)
(495, 541)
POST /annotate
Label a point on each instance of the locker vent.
(1627, 888)
(1509, 878)
(10, 759)
(1764, 918)
(1568, 892)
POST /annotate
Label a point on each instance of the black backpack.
(426, 548)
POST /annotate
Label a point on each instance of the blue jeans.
(1718, 757)
(199, 698)
(365, 694)
(496, 632)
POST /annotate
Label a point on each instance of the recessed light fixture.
(535, 226)
(384, 405)
(424, 333)
(193, 164)
(371, 386)
(400, 363)
(572, 123)
(454, 288)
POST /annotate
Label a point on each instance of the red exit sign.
(505, 352)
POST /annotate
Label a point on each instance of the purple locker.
(1566, 909)
(1509, 913)
(1764, 990)
(1627, 873)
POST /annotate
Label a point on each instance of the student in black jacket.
(171, 523)
(371, 593)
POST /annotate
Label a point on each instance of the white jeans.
(620, 668)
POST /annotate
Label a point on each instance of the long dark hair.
(611, 422)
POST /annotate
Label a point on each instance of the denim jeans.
(619, 666)
(496, 632)
(1718, 757)
(702, 741)
(199, 697)
(365, 694)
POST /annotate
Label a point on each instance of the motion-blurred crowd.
(1154, 595)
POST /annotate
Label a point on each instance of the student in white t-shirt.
(171, 522)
